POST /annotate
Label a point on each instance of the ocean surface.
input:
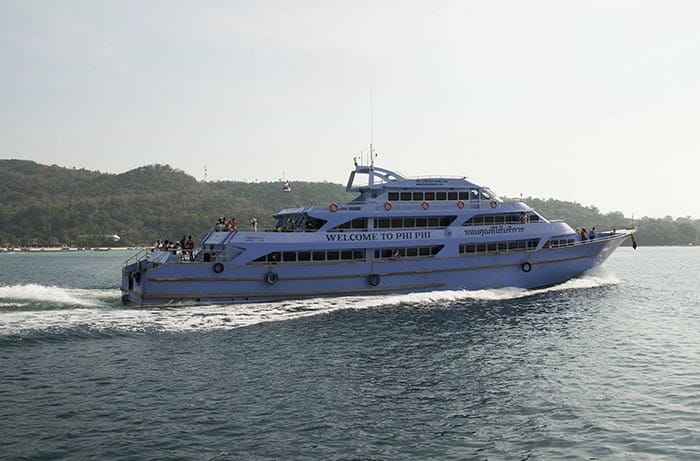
(604, 367)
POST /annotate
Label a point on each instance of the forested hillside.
(50, 205)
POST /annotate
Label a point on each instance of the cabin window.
(333, 255)
(261, 259)
(289, 256)
(396, 222)
(433, 222)
(319, 255)
(429, 196)
(452, 196)
(346, 254)
(304, 256)
(423, 251)
(464, 195)
(412, 252)
(417, 196)
(274, 257)
(393, 196)
(473, 194)
(441, 196)
(406, 196)
(485, 195)
(358, 254)
(421, 222)
(382, 223)
(445, 221)
(409, 222)
(359, 223)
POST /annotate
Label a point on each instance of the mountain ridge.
(53, 205)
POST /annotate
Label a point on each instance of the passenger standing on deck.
(591, 234)
(189, 245)
(254, 225)
(583, 233)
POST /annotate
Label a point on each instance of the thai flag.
(286, 187)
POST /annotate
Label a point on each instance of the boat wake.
(26, 309)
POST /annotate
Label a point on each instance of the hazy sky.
(596, 102)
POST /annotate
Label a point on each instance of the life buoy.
(271, 278)
(218, 268)
(333, 207)
(387, 206)
(494, 204)
(460, 204)
(526, 267)
(373, 280)
(425, 205)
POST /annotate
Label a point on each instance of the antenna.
(371, 129)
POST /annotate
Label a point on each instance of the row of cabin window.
(493, 247)
(407, 252)
(439, 221)
(553, 243)
(504, 218)
(398, 223)
(292, 256)
(346, 255)
(472, 194)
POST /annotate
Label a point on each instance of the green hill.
(51, 205)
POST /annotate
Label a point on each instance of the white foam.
(88, 308)
(40, 293)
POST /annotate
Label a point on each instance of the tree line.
(46, 205)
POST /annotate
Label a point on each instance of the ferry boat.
(399, 235)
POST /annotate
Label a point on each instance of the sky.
(595, 102)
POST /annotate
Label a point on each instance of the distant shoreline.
(62, 249)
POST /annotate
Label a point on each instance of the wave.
(32, 294)
(29, 309)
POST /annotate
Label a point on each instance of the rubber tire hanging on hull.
(526, 267)
(218, 268)
(271, 278)
(373, 280)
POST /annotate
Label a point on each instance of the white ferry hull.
(199, 282)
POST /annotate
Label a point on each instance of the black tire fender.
(218, 268)
(526, 267)
(271, 278)
(373, 280)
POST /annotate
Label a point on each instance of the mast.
(371, 141)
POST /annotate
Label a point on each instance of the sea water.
(606, 366)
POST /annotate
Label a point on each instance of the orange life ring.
(333, 207)
(425, 205)
(387, 206)
(494, 204)
(460, 204)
